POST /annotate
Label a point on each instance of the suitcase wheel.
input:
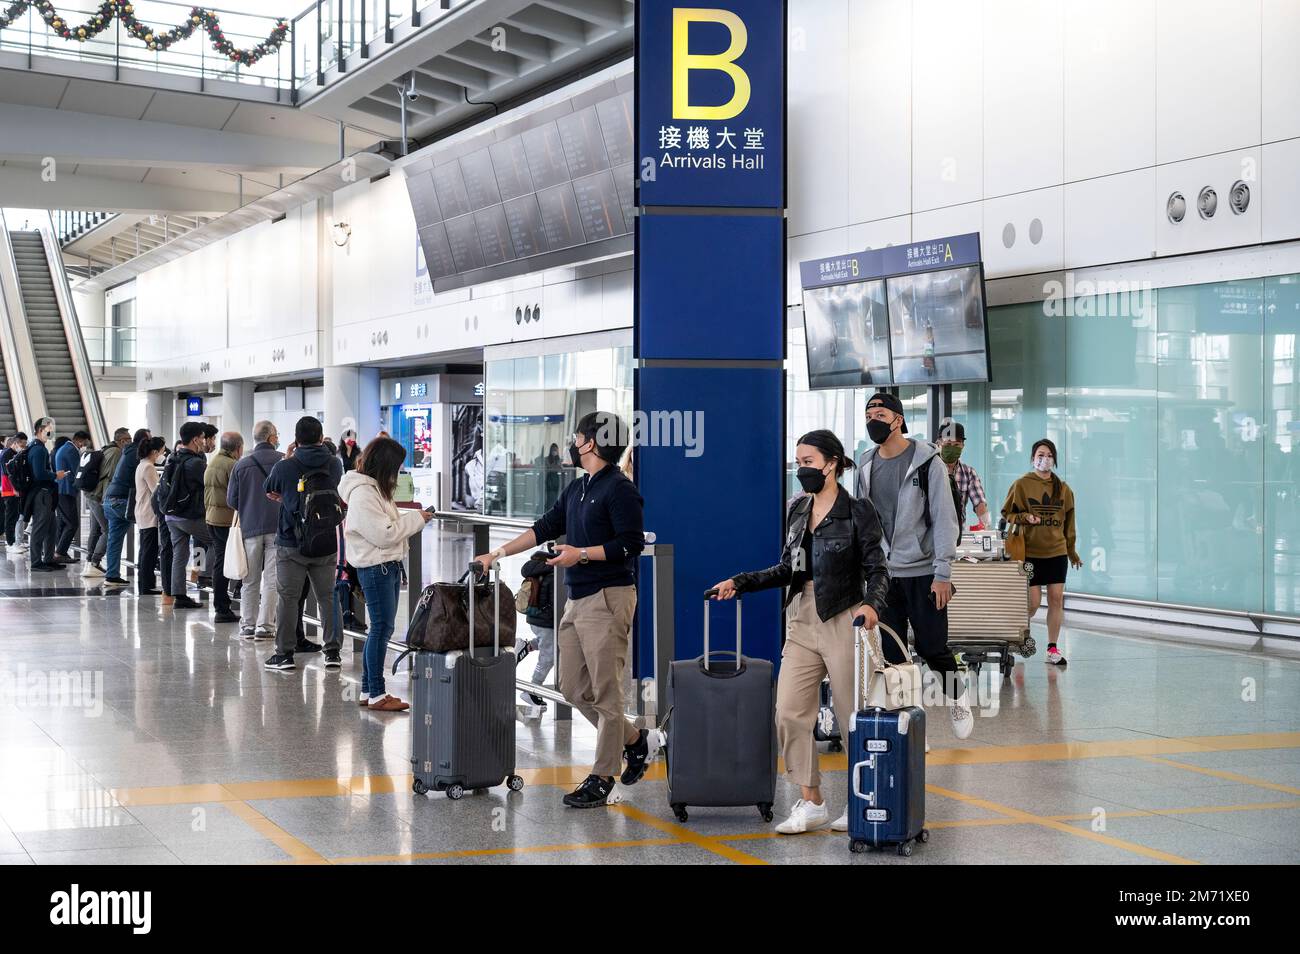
(765, 809)
(516, 783)
(455, 791)
(905, 849)
(680, 812)
(836, 745)
(923, 835)
(857, 847)
(419, 787)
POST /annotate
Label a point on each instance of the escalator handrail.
(80, 357)
(8, 340)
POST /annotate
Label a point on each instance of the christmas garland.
(156, 40)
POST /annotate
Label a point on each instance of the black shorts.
(1048, 569)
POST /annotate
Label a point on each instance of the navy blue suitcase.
(886, 774)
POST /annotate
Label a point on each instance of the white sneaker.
(805, 816)
(91, 571)
(927, 748)
(1054, 657)
(963, 720)
(22, 548)
(841, 823)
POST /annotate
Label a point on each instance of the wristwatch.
(583, 559)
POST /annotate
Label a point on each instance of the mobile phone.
(432, 508)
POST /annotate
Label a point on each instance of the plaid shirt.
(968, 484)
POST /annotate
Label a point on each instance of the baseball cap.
(889, 402)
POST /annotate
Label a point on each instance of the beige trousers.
(595, 633)
(813, 650)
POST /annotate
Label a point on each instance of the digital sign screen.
(936, 327)
(847, 332)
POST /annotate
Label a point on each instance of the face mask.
(575, 457)
(1043, 465)
(879, 431)
(950, 453)
(811, 479)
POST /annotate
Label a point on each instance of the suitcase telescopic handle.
(474, 569)
(708, 595)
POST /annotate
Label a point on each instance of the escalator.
(8, 421)
(45, 325)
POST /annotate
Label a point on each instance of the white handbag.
(889, 685)
(236, 563)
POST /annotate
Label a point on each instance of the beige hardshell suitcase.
(989, 612)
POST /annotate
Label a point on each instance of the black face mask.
(879, 431)
(575, 458)
(811, 479)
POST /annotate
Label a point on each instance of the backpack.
(92, 463)
(19, 471)
(319, 514)
(923, 478)
(166, 496)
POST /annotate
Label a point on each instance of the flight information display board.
(557, 185)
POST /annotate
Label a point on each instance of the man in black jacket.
(184, 510)
(600, 514)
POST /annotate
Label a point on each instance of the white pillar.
(352, 402)
(160, 414)
(237, 409)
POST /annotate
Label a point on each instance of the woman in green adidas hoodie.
(1042, 504)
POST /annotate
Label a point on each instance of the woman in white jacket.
(375, 535)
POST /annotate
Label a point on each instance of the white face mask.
(1043, 465)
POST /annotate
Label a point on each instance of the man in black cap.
(952, 441)
(907, 482)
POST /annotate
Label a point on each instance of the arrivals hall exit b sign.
(711, 103)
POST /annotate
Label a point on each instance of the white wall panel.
(1208, 55)
(1281, 69)
(1110, 86)
(1034, 225)
(947, 103)
(1110, 219)
(880, 109)
(1023, 98)
(954, 220)
(895, 231)
(818, 104)
(1195, 234)
(1281, 170)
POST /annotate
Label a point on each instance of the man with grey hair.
(220, 517)
(258, 520)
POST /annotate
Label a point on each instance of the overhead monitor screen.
(937, 329)
(558, 184)
(847, 333)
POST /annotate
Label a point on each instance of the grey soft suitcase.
(721, 746)
(463, 715)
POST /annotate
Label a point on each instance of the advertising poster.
(467, 466)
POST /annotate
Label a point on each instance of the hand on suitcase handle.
(725, 590)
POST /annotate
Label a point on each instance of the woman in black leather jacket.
(834, 567)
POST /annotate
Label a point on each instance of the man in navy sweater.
(600, 515)
(38, 503)
(67, 460)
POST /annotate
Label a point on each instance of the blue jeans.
(115, 511)
(382, 585)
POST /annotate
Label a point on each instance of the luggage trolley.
(988, 618)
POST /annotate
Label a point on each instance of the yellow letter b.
(685, 61)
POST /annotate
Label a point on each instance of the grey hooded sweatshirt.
(915, 550)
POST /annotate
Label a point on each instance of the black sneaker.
(332, 659)
(279, 661)
(184, 602)
(592, 793)
(637, 756)
(225, 618)
(44, 567)
(149, 592)
(306, 646)
(115, 581)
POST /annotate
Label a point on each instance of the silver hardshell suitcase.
(988, 615)
(463, 714)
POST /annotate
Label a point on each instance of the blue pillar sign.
(711, 114)
(710, 303)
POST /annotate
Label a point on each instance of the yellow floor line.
(1229, 776)
(688, 836)
(520, 850)
(566, 775)
(1062, 827)
(295, 849)
(1197, 810)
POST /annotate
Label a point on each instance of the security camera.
(412, 95)
(409, 91)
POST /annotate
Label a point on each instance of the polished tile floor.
(134, 734)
